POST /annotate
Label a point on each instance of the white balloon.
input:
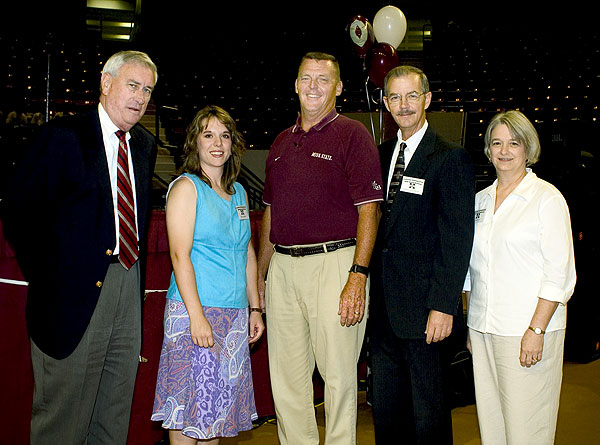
(389, 25)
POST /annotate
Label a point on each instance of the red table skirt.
(16, 379)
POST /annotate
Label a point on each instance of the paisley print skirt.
(205, 392)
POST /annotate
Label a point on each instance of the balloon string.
(379, 103)
(380, 116)
(369, 108)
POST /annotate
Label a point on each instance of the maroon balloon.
(380, 60)
(361, 34)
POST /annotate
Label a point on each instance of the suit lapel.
(385, 155)
(140, 155)
(98, 160)
(420, 160)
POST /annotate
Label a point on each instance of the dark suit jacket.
(424, 244)
(59, 217)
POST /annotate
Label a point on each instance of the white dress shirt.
(411, 146)
(111, 148)
(522, 252)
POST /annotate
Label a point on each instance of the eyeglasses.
(411, 97)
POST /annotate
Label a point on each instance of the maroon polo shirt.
(315, 180)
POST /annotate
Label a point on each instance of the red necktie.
(128, 240)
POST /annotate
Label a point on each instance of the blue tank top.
(220, 247)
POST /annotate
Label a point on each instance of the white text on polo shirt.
(321, 155)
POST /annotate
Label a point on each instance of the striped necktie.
(396, 176)
(128, 240)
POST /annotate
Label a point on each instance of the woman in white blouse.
(522, 273)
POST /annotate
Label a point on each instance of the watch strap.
(538, 331)
(359, 269)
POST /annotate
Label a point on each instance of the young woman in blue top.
(204, 386)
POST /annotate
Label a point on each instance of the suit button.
(98, 283)
(109, 252)
(385, 250)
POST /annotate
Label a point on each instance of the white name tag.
(479, 214)
(242, 212)
(412, 185)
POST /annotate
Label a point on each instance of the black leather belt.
(312, 250)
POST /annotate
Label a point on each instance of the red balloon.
(361, 34)
(380, 60)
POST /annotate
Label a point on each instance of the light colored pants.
(86, 397)
(303, 326)
(515, 404)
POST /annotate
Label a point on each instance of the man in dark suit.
(420, 262)
(77, 213)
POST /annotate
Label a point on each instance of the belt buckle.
(296, 251)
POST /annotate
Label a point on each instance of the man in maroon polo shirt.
(322, 190)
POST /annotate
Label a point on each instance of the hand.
(532, 345)
(257, 327)
(201, 332)
(352, 300)
(261, 293)
(439, 326)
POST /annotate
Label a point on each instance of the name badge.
(412, 185)
(479, 215)
(242, 212)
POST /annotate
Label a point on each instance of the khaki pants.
(303, 327)
(515, 404)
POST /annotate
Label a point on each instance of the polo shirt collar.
(330, 117)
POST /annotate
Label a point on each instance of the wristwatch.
(359, 269)
(538, 331)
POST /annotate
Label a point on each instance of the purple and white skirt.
(205, 392)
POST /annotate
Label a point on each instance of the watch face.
(537, 330)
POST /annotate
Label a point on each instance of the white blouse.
(521, 253)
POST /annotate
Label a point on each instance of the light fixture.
(114, 19)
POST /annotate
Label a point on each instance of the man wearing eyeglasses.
(419, 264)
